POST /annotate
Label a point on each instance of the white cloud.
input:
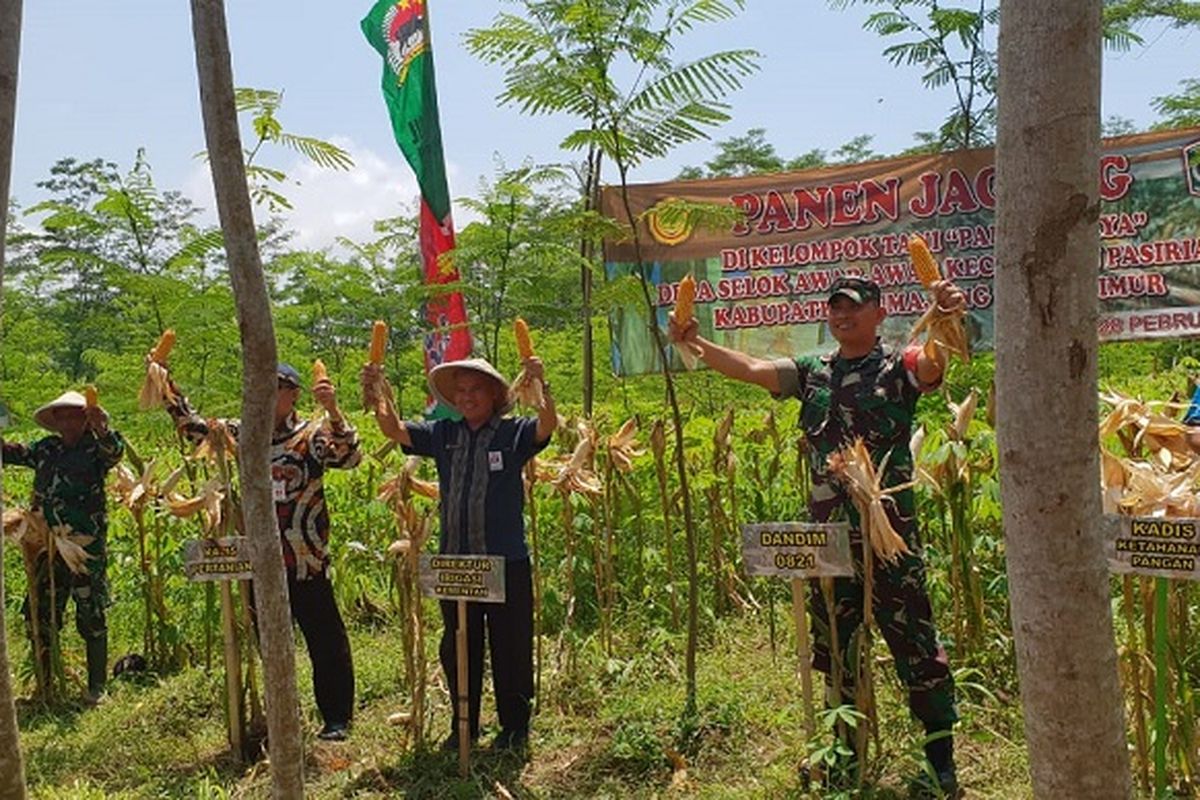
(327, 204)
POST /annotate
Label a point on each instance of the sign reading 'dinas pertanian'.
(762, 283)
(1158, 546)
(797, 549)
(479, 579)
(226, 559)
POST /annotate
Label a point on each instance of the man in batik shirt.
(301, 451)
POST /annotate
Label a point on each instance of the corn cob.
(378, 341)
(162, 348)
(90, 397)
(685, 300)
(524, 344)
(319, 372)
(923, 262)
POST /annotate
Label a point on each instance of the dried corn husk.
(30, 530)
(622, 446)
(528, 391)
(218, 444)
(578, 473)
(319, 371)
(208, 503)
(945, 333)
(405, 484)
(853, 466)
(156, 389)
(963, 412)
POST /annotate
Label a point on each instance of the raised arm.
(728, 362)
(950, 298)
(386, 418)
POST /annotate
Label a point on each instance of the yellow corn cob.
(90, 397)
(524, 344)
(923, 262)
(319, 372)
(378, 341)
(163, 348)
(685, 300)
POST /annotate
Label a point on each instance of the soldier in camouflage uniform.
(69, 469)
(866, 390)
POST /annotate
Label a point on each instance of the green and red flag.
(399, 31)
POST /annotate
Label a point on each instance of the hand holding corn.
(943, 320)
(527, 388)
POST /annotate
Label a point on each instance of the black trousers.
(510, 640)
(314, 610)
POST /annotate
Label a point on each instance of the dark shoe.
(450, 743)
(511, 740)
(334, 732)
(922, 787)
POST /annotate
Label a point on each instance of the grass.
(610, 729)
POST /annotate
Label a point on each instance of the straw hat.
(44, 415)
(441, 381)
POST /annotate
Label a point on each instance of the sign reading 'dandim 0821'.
(1165, 548)
(225, 559)
(479, 579)
(797, 549)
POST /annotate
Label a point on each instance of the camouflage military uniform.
(872, 397)
(68, 487)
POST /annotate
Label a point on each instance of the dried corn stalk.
(526, 390)
(853, 466)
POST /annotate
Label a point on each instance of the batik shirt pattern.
(301, 451)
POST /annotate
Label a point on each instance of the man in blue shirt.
(479, 460)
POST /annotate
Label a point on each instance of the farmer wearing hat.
(301, 451)
(479, 460)
(865, 389)
(69, 468)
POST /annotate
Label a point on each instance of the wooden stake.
(234, 721)
(804, 654)
(464, 706)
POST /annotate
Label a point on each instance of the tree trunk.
(1047, 238)
(258, 395)
(12, 768)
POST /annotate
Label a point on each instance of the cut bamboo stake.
(462, 701)
(804, 654)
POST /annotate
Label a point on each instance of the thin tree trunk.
(258, 395)
(1047, 237)
(12, 767)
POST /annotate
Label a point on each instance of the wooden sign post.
(463, 579)
(226, 559)
(799, 551)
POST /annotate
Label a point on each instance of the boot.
(97, 666)
(939, 751)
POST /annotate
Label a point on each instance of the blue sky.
(103, 79)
